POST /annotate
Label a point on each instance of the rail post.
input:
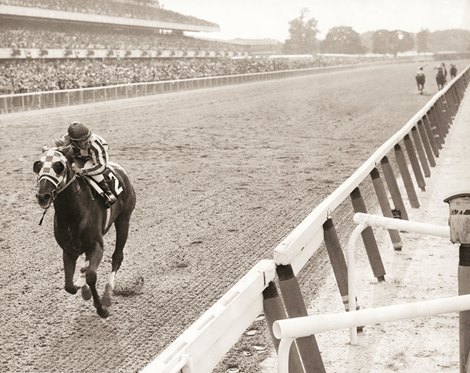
(453, 105)
(410, 149)
(426, 143)
(432, 136)
(447, 111)
(393, 187)
(368, 238)
(441, 114)
(406, 176)
(421, 152)
(385, 207)
(337, 260)
(459, 222)
(273, 311)
(295, 307)
(436, 126)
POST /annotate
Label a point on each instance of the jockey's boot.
(108, 195)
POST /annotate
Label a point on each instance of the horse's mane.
(67, 152)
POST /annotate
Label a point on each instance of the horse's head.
(51, 169)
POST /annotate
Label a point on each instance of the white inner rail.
(289, 329)
(368, 220)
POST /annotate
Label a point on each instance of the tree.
(380, 42)
(422, 40)
(342, 39)
(392, 42)
(405, 41)
(303, 34)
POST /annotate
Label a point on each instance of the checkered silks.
(48, 158)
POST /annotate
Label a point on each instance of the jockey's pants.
(98, 178)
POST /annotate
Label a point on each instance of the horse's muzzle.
(44, 200)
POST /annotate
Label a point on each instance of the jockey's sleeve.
(99, 157)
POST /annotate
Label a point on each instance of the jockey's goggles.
(80, 143)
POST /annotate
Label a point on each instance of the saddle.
(110, 179)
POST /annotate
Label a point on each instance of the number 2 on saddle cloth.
(110, 179)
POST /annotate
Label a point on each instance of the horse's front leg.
(81, 282)
(95, 259)
(70, 261)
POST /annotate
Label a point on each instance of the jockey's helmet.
(78, 132)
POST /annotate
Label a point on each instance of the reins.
(54, 195)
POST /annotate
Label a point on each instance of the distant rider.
(420, 78)
(453, 71)
(91, 153)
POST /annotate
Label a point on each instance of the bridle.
(60, 183)
(54, 194)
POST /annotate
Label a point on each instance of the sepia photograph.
(234, 186)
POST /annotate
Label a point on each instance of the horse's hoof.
(71, 289)
(86, 292)
(103, 312)
(106, 299)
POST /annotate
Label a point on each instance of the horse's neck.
(74, 203)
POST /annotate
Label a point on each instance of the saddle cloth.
(112, 181)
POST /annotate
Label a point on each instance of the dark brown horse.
(441, 79)
(420, 80)
(81, 220)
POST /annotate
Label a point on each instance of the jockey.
(420, 71)
(443, 65)
(91, 152)
(420, 78)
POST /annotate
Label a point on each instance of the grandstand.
(44, 43)
(104, 29)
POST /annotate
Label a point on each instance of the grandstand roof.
(185, 23)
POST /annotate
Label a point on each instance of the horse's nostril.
(44, 198)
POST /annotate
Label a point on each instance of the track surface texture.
(222, 176)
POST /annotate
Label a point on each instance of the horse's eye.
(58, 167)
(37, 166)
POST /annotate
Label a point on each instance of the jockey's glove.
(76, 169)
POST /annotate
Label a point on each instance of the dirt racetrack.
(222, 176)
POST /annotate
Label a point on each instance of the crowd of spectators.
(17, 34)
(38, 74)
(22, 76)
(136, 9)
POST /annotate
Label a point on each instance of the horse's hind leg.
(122, 232)
(95, 259)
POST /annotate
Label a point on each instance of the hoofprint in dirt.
(221, 176)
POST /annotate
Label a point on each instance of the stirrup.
(108, 201)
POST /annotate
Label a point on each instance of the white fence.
(48, 99)
(201, 347)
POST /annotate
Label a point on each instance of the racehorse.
(420, 80)
(81, 220)
(453, 71)
(441, 79)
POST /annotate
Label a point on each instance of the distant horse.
(81, 220)
(440, 78)
(420, 80)
(453, 71)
